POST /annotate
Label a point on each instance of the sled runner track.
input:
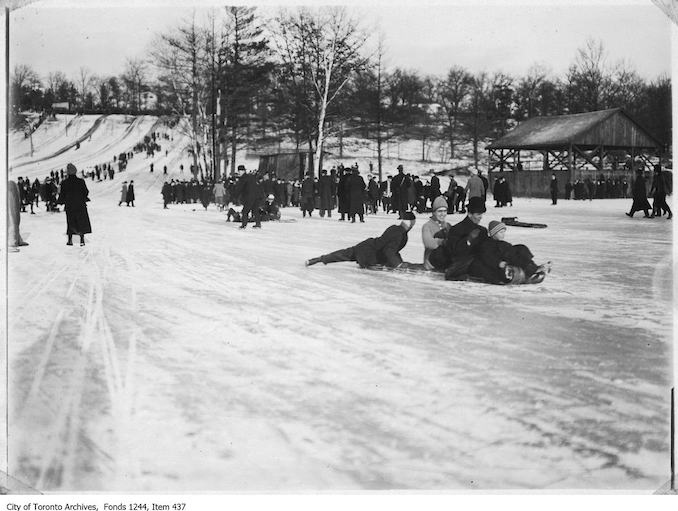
(92, 129)
(39, 286)
(60, 458)
(42, 365)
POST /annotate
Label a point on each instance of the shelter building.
(577, 146)
(290, 165)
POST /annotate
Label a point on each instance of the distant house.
(61, 108)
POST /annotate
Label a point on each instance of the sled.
(517, 274)
(513, 222)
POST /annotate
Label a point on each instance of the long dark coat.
(130, 193)
(459, 246)
(325, 189)
(343, 193)
(435, 187)
(382, 250)
(249, 190)
(307, 194)
(640, 201)
(396, 192)
(357, 194)
(74, 196)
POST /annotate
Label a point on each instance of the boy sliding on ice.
(499, 262)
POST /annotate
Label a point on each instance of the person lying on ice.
(384, 250)
(461, 242)
(268, 212)
(499, 262)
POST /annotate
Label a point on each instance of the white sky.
(430, 37)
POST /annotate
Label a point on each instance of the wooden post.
(501, 160)
(673, 444)
(570, 163)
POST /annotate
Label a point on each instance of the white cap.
(270, 196)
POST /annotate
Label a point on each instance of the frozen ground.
(178, 353)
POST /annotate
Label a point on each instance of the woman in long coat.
(357, 195)
(640, 201)
(307, 195)
(123, 193)
(74, 196)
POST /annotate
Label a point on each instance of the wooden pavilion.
(290, 165)
(573, 147)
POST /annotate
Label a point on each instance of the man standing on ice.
(461, 242)
(384, 250)
(250, 196)
(74, 196)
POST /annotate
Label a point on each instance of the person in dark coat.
(357, 195)
(640, 201)
(435, 188)
(344, 193)
(373, 194)
(658, 191)
(497, 260)
(250, 193)
(270, 211)
(74, 196)
(307, 195)
(384, 250)
(325, 190)
(461, 243)
(554, 189)
(399, 186)
(130, 193)
(166, 194)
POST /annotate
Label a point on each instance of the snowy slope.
(113, 135)
(176, 352)
(51, 137)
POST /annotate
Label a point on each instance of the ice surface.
(176, 352)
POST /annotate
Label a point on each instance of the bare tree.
(55, 80)
(84, 81)
(588, 78)
(322, 49)
(134, 79)
(181, 58)
(453, 91)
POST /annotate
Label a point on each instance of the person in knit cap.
(461, 242)
(384, 250)
(499, 262)
(436, 224)
(74, 196)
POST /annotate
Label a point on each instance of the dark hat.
(408, 215)
(476, 205)
(241, 167)
(71, 170)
